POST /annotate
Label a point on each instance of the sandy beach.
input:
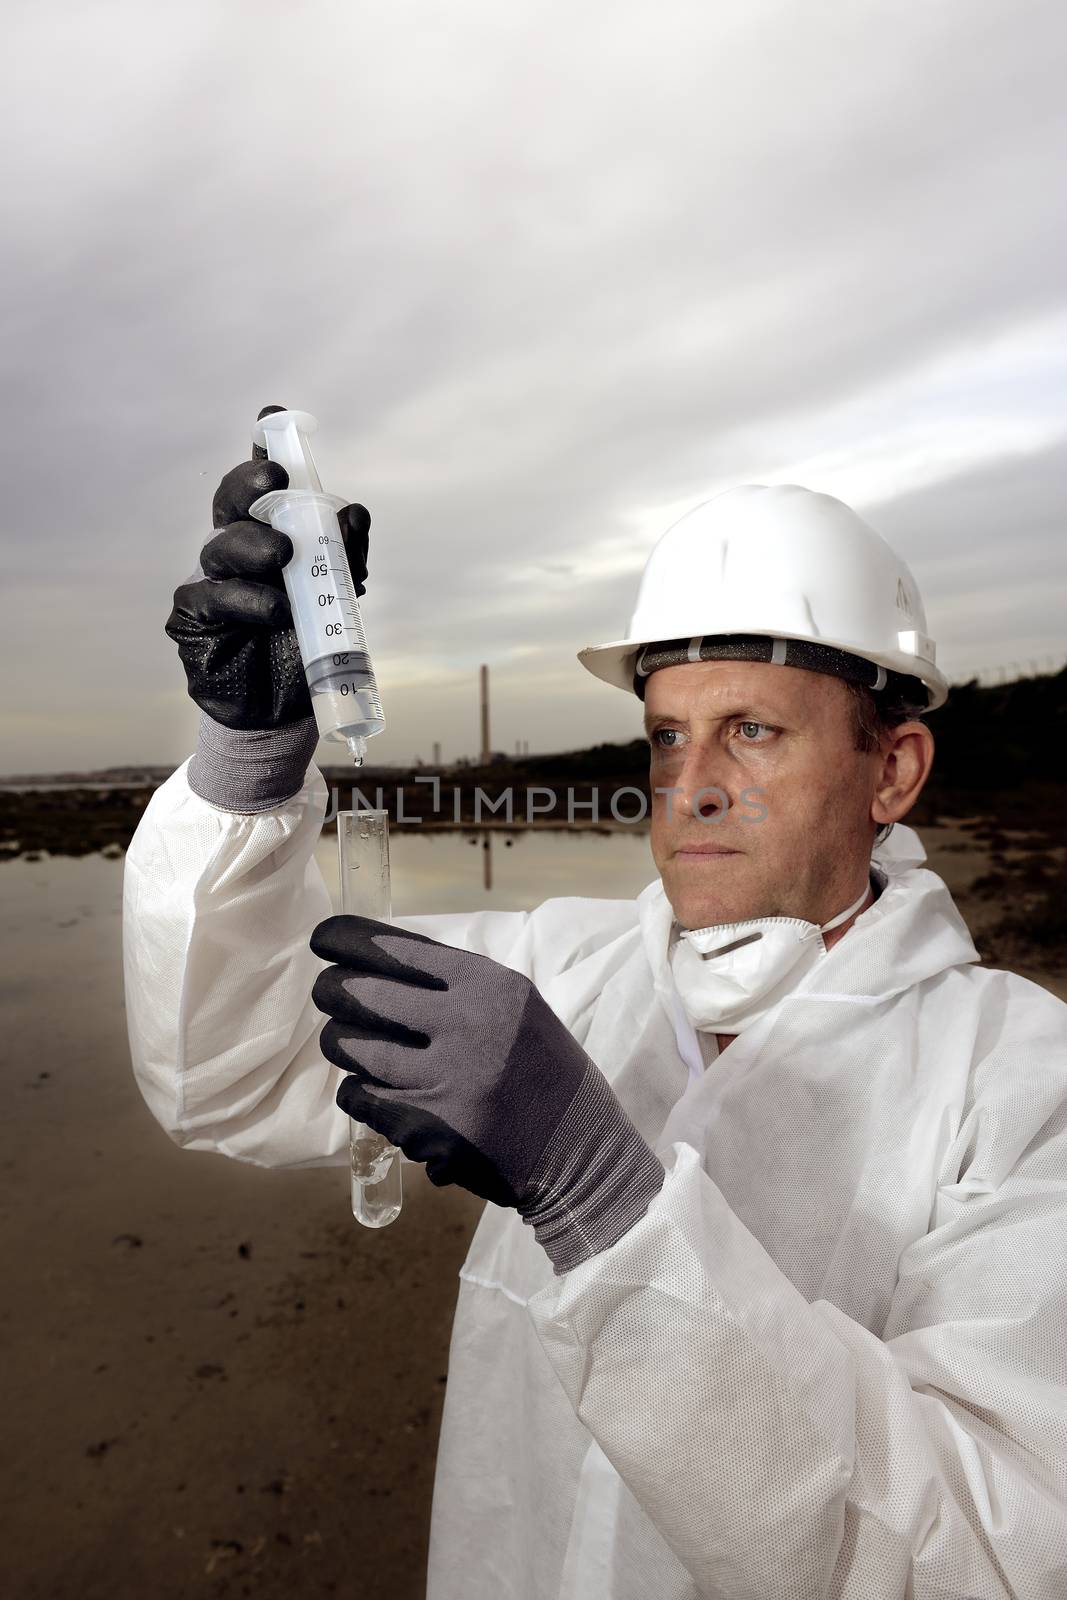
(218, 1384)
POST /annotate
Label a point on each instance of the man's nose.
(703, 795)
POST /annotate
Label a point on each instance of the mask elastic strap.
(686, 1037)
(844, 915)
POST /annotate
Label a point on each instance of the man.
(768, 1301)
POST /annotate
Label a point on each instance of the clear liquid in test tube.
(363, 855)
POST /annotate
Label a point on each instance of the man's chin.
(696, 908)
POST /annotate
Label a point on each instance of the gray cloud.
(545, 274)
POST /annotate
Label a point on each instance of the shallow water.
(67, 909)
(61, 917)
(506, 872)
(431, 871)
(60, 927)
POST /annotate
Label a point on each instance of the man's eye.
(666, 738)
(751, 729)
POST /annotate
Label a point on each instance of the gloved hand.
(233, 626)
(460, 1062)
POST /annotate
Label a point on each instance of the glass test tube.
(363, 854)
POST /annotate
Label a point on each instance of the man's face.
(767, 742)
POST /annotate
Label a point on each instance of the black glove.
(233, 625)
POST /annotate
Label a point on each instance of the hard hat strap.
(907, 691)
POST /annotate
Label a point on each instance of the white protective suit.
(829, 1361)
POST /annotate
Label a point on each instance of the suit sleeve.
(218, 907)
(786, 1452)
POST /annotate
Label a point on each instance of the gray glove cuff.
(250, 769)
(596, 1178)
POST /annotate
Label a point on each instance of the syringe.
(318, 581)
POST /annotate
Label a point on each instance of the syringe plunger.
(284, 436)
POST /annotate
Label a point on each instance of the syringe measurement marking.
(342, 582)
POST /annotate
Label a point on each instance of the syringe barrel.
(310, 520)
(318, 581)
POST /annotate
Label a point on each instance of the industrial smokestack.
(484, 688)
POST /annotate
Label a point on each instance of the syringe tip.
(358, 746)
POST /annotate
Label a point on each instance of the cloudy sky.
(547, 274)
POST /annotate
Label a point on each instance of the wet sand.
(218, 1384)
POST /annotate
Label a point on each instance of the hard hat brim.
(613, 663)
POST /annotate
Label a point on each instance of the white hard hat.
(778, 574)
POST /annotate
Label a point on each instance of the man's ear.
(907, 756)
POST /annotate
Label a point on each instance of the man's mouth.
(702, 851)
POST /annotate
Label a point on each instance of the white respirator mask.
(730, 975)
